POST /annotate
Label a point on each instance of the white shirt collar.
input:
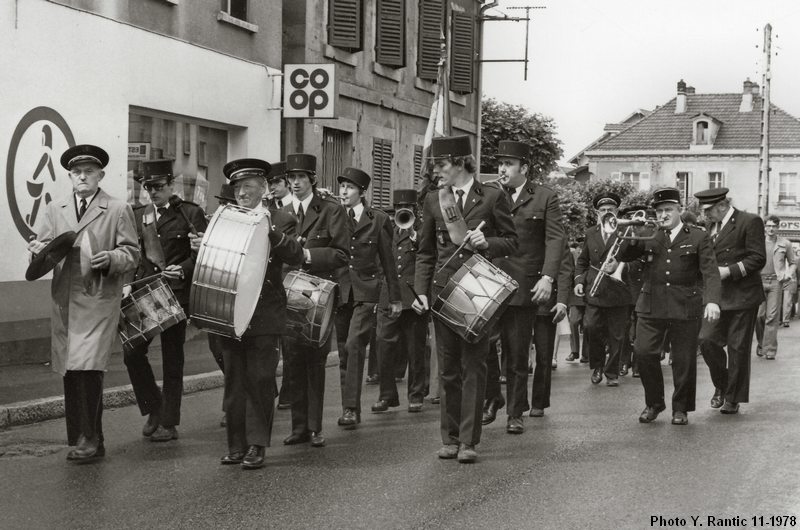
(466, 187)
(88, 199)
(675, 231)
(305, 202)
(358, 209)
(727, 217)
(517, 191)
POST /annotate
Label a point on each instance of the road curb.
(51, 408)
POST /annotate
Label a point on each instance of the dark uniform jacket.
(483, 203)
(680, 277)
(593, 254)
(741, 247)
(173, 234)
(540, 234)
(269, 317)
(562, 284)
(370, 260)
(326, 234)
(405, 257)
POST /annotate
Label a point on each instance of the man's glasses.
(771, 226)
(154, 187)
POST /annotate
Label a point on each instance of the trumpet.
(404, 218)
(609, 224)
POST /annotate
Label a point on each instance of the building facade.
(699, 141)
(197, 81)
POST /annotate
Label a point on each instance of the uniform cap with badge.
(355, 176)
(513, 149)
(84, 153)
(450, 146)
(302, 162)
(663, 195)
(244, 168)
(606, 198)
(710, 197)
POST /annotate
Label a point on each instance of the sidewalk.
(33, 392)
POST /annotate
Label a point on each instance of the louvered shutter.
(344, 24)
(417, 166)
(390, 48)
(431, 17)
(381, 173)
(463, 53)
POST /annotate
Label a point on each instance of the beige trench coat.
(84, 326)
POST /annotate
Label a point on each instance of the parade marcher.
(251, 363)
(324, 231)
(634, 281)
(535, 266)
(738, 240)
(279, 194)
(777, 272)
(462, 365)
(789, 295)
(606, 319)
(369, 263)
(83, 323)
(578, 338)
(681, 287)
(406, 331)
(163, 228)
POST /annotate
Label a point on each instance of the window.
(381, 173)
(345, 23)
(235, 8)
(716, 179)
(701, 133)
(787, 191)
(641, 181)
(431, 20)
(682, 182)
(336, 155)
(390, 34)
(418, 156)
(462, 54)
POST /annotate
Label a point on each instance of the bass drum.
(474, 298)
(309, 303)
(230, 269)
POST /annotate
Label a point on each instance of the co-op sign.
(309, 91)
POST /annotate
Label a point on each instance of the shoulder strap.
(456, 226)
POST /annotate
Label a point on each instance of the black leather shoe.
(164, 434)
(572, 357)
(635, 372)
(584, 360)
(490, 411)
(232, 459)
(729, 407)
(612, 381)
(467, 454)
(152, 423)
(254, 458)
(515, 426)
(597, 376)
(623, 371)
(651, 413)
(716, 399)
(536, 413)
(86, 451)
(415, 407)
(317, 440)
(224, 421)
(759, 352)
(348, 420)
(382, 405)
(295, 438)
(436, 400)
(373, 379)
(680, 418)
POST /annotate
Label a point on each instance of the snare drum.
(230, 269)
(309, 302)
(147, 312)
(474, 298)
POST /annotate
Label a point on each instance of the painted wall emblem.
(34, 176)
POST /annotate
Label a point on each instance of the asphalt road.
(587, 463)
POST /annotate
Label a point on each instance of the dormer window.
(701, 133)
(704, 131)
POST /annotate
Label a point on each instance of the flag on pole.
(439, 122)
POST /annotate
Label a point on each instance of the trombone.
(609, 224)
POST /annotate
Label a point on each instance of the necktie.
(82, 209)
(460, 200)
(668, 233)
(279, 202)
(352, 217)
(160, 211)
(301, 216)
(510, 193)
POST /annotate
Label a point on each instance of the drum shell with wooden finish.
(474, 298)
(147, 312)
(230, 270)
(310, 302)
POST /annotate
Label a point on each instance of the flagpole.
(448, 123)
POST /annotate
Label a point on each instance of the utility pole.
(763, 168)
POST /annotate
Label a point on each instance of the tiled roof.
(665, 130)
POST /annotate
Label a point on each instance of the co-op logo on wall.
(31, 178)
(309, 91)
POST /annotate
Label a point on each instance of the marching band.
(282, 263)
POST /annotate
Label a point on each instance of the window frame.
(721, 178)
(786, 199)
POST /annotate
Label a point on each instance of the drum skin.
(147, 312)
(309, 304)
(230, 269)
(474, 298)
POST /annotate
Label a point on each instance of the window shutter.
(381, 173)
(616, 176)
(344, 24)
(644, 181)
(390, 47)
(417, 166)
(431, 17)
(463, 53)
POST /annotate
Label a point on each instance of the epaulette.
(190, 202)
(329, 198)
(370, 214)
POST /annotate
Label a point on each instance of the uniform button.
(667, 273)
(461, 255)
(399, 266)
(399, 248)
(352, 248)
(669, 250)
(667, 284)
(668, 261)
(351, 266)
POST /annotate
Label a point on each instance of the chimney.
(747, 96)
(680, 101)
(754, 88)
(689, 90)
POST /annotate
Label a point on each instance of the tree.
(503, 121)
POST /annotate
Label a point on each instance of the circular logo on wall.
(31, 177)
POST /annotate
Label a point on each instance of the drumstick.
(145, 279)
(411, 287)
(460, 247)
(175, 202)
